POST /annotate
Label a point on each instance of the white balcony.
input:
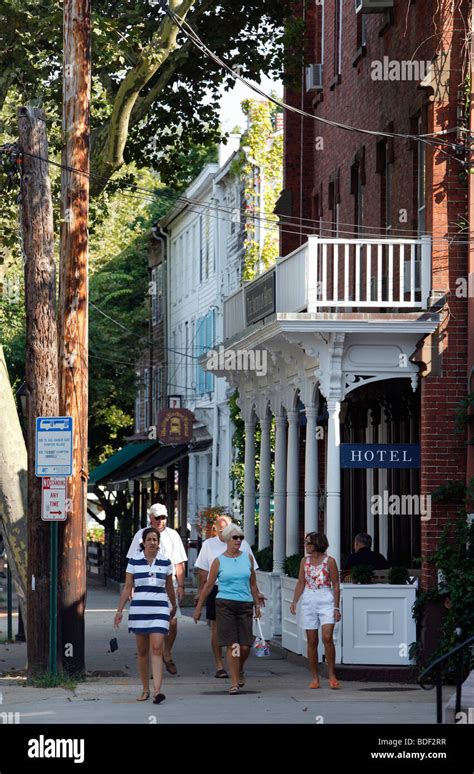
(337, 275)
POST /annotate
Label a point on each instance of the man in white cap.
(211, 549)
(171, 546)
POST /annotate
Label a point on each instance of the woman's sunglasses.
(237, 537)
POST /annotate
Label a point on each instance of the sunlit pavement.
(276, 690)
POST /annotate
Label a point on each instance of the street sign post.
(53, 500)
(53, 455)
(53, 463)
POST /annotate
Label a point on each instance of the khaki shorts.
(234, 622)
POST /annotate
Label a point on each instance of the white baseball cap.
(158, 509)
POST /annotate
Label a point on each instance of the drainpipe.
(470, 262)
(161, 234)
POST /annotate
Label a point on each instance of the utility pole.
(41, 372)
(73, 320)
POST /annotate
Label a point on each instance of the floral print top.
(317, 577)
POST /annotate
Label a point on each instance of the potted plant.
(362, 574)
(206, 519)
(398, 576)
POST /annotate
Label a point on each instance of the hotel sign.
(260, 298)
(380, 455)
(175, 426)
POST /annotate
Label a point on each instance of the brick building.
(365, 333)
(380, 186)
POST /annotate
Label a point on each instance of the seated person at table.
(363, 554)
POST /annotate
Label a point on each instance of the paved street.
(276, 690)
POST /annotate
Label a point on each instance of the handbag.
(260, 646)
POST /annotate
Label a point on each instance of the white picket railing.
(346, 275)
(369, 273)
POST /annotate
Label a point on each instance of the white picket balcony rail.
(345, 275)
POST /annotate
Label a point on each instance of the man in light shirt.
(171, 546)
(211, 549)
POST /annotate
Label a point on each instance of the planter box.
(293, 636)
(377, 623)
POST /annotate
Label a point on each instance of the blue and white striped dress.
(149, 609)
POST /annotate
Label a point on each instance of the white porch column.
(279, 524)
(292, 486)
(249, 481)
(333, 481)
(264, 499)
(311, 473)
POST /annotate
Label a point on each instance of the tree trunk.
(13, 486)
(41, 368)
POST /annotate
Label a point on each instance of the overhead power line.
(190, 33)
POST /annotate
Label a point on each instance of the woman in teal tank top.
(234, 573)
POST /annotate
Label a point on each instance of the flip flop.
(158, 698)
(171, 667)
(333, 683)
(145, 696)
(234, 690)
(314, 684)
(221, 673)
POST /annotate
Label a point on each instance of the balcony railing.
(343, 275)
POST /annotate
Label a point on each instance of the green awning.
(119, 460)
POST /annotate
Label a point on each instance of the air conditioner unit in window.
(373, 6)
(314, 77)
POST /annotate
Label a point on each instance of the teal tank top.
(233, 578)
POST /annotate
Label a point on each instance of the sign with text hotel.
(260, 298)
(175, 425)
(380, 455)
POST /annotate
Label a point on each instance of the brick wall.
(357, 99)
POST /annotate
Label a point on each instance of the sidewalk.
(276, 691)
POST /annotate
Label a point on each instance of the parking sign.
(53, 500)
(53, 446)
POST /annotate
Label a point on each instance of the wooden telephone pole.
(73, 320)
(41, 376)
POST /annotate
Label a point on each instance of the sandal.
(145, 696)
(314, 684)
(171, 667)
(241, 680)
(234, 690)
(158, 698)
(333, 683)
(221, 673)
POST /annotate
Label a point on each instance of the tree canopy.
(154, 93)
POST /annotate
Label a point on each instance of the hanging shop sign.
(175, 425)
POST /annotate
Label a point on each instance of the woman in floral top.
(318, 585)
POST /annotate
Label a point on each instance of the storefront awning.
(166, 456)
(120, 460)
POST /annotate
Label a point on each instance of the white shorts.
(316, 608)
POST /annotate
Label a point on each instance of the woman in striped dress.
(150, 574)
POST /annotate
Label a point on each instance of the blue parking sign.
(53, 451)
